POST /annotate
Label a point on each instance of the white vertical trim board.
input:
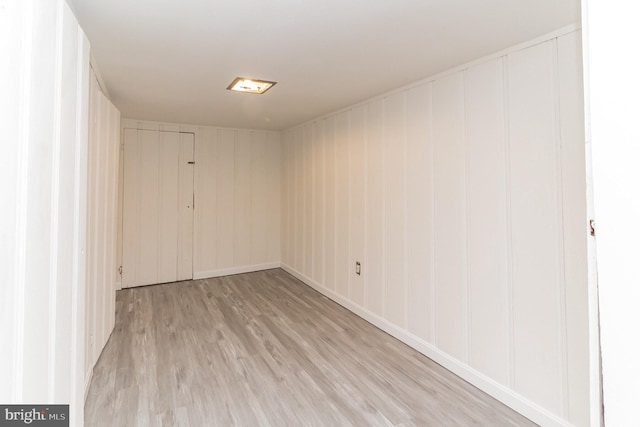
(474, 195)
(612, 89)
(44, 109)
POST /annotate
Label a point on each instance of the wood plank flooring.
(264, 349)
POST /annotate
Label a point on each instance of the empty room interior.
(301, 213)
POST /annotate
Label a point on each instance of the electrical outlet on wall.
(358, 268)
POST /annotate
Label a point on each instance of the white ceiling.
(171, 60)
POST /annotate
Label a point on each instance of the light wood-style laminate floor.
(264, 349)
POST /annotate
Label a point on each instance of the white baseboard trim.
(518, 403)
(234, 270)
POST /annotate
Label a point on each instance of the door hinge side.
(120, 270)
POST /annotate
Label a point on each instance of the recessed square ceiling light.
(242, 84)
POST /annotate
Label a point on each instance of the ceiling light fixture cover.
(243, 84)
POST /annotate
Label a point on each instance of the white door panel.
(157, 207)
(186, 206)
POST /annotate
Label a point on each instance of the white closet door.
(157, 207)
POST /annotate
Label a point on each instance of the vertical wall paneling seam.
(120, 201)
(294, 196)
(107, 283)
(405, 230)
(302, 202)
(323, 222)
(305, 221)
(562, 297)
(310, 166)
(291, 150)
(347, 145)
(233, 205)
(291, 175)
(365, 192)
(196, 135)
(159, 186)
(315, 206)
(179, 234)
(78, 318)
(314, 216)
(284, 231)
(196, 242)
(104, 278)
(216, 171)
(286, 211)
(293, 246)
(318, 143)
(508, 224)
(296, 144)
(191, 172)
(55, 201)
(252, 137)
(432, 176)
(284, 196)
(383, 147)
(89, 228)
(434, 304)
(292, 199)
(22, 202)
(335, 204)
(289, 178)
(467, 291)
(138, 212)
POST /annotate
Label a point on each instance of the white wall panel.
(420, 239)
(259, 193)
(374, 237)
(317, 156)
(102, 264)
(206, 241)
(307, 199)
(535, 229)
(273, 192)
(225, 189)
(450, 215)
(168, 200)
(489, 317)
(130, 197)
(148, 226)
(288, 233)
(464, 195)
(242, 199)
(395, 209)
(571, 111)
(357, 140)
(330, 203)
(343, 266)
(299, 248)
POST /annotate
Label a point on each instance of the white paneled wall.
(43, 160)
(237, 190)
(102, 266)
(463, 196)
